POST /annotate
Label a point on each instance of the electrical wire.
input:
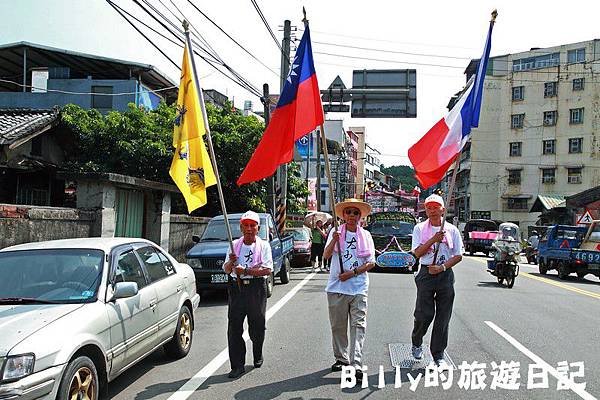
(391, 51)
(231, 38)
(264, 20)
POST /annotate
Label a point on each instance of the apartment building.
(538, 132)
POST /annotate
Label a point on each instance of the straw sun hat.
(364, 208)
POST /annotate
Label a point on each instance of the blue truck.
(570, 249)
(208, 255)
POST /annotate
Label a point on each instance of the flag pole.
(454, 173)
(213, 159)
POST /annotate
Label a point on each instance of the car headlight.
(194, 263)
(17, 367)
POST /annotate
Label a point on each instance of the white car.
(76, 313)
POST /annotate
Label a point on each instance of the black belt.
(247, 281)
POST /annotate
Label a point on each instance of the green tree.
(402, 174)
(138, 142)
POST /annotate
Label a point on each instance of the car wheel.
(270, 280)
(581, 275)
(284, 273)
(181, 343)
(563, 272)
(542, 267)
(80, 380)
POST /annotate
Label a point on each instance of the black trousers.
(251, 302)
(435, 297)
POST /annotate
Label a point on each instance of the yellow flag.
(191, 168)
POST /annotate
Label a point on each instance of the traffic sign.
(586, 218)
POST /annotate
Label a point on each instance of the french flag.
(435, 152)
(298, 112)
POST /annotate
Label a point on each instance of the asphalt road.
(541, 320)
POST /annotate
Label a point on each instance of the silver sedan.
(76, 313)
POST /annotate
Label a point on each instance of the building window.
(517, 204)
(550, 118)
(578, 84)
(517, 93)
(548, 175)
(574, 175)
(576, 56)
(550, 89)
(515, 149)
(576, 116)
(514, 177)
(549, 146)
(576, 145)
(102, 101)
(543, 61)
(517, 121)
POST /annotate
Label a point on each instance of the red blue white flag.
(298, 112)
(435, 152)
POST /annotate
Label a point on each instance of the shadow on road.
(570, 279)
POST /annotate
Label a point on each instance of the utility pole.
(271, 180)
(282, 170)
(318, 169)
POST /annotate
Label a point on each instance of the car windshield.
(216, 230)
(300, 235)
(50, 275)
(395, 228)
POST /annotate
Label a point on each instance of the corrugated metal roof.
(17, 124)
(548, 202)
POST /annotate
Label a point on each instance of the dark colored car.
(391, 231)
(473, 245)
(302, 244)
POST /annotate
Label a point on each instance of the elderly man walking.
(348, 283)
(435, 279)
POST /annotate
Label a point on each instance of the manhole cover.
(401, 356)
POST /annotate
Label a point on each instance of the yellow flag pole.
(211, 149)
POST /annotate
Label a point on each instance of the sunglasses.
(351, 212)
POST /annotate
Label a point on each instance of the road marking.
(538, 360)
(557, 284)
(201, 376)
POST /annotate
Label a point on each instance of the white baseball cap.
(250, 216)
(434, 198)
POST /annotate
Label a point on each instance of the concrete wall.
(181, 229)
(23, 224)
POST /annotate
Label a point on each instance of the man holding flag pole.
(431, 157)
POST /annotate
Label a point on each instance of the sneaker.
(358, 374)
(236, 373)
(337, 366)
(258, 362)
(417, 352)
(440, 362)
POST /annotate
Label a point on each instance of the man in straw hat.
(347, 286)
(435, 279)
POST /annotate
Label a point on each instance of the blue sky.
(449, 29)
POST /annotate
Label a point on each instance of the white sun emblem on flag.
(292, 72)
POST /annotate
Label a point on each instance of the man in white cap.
(435, 279)
(249, 266)
(348, 283)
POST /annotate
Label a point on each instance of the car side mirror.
(195, 238)
(124, 290)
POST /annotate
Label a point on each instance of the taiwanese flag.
(435, 152)
(298, 112)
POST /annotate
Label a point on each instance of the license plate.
(218, 278)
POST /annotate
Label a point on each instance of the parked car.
(391, 231)
(208, 255)
(302, 244)
(479, 234)
(76, 313)
(570, 249)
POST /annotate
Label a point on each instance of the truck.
(208, 254)
(391, 232)
(479, 234)
(570, 249)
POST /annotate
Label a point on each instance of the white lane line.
(538, 360)
(201, 376)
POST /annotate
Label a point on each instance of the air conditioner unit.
(574, 179)
(548, 121)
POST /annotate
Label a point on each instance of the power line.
(231, 38)
(81, 93)
(264, 20)
(387, 60)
